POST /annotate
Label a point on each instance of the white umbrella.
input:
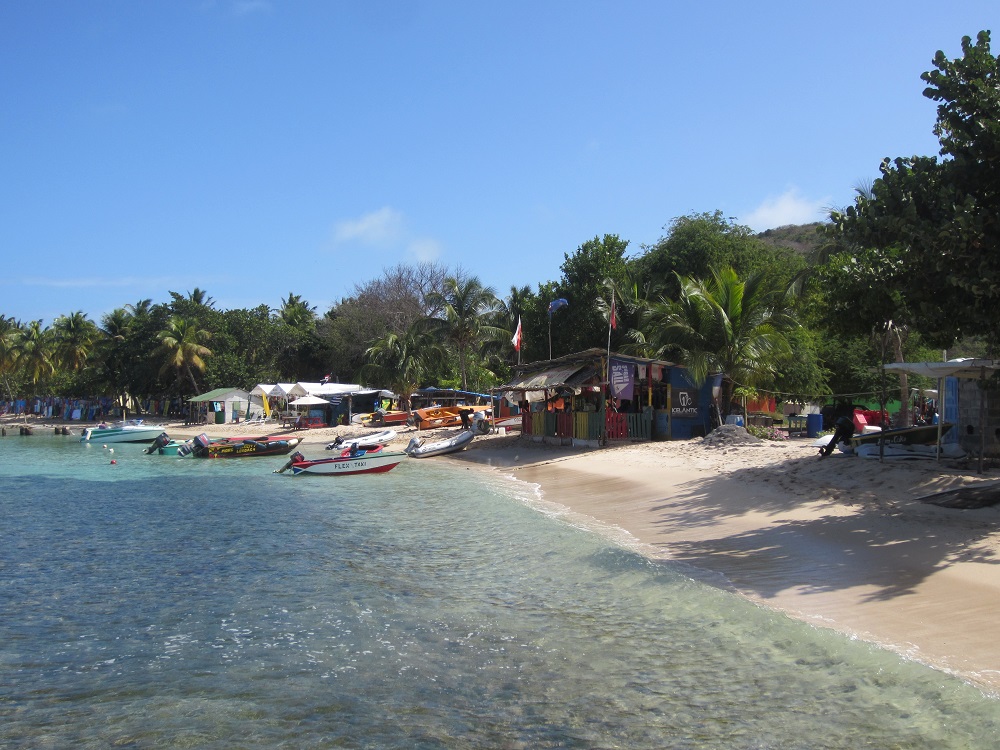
(309, 401)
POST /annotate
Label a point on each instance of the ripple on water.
(189, 603)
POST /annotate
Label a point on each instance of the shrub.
(766, 433)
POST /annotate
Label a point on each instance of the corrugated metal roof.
(550, 378)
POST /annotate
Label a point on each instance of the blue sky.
(256, 148)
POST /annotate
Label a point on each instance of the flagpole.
(611, 322)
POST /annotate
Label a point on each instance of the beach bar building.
(594, 396)
(221, 405)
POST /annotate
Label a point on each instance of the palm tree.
(401, 361)
(506, 316)
(75, 338)
(10, 329)
(466, 306)
(181, 345)
(200, 297)
(140, 309)
(34, 351)
(297, 313)
(724, 324)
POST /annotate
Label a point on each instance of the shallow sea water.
(173, 603)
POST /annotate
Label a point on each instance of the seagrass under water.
(158, 602)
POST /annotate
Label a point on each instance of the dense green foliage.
(803, 312)
(938, 220)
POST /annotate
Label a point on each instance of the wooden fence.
(587, 425)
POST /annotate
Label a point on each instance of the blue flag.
(556, 304)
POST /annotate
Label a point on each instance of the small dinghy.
(420, 449)
(365, 441)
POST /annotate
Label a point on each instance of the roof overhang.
(953, 368)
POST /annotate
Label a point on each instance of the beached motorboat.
(381, 418)
(363, 441)
(418, 448)
(434, 417)
(163, 445)
(205, 447)
(131, 431)
(918, 435)
(901, 451)
(353, 460)
(512, 422)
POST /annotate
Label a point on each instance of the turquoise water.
(172, 603)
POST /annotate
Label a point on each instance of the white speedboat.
(132, 431)
(374, 440)
(353, 460)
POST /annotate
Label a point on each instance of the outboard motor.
(161, 440)
(480, 424)
(413, 445)
(336, 443)
(296, 457)
(201, 443)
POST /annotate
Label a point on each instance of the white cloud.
(385, 231)
(375, 229)
(787, 208)
(425, 250)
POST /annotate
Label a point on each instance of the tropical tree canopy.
(944, 215)
(467, 309)
(727, 325)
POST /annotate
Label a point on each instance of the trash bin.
(814, 425)
(736, 419)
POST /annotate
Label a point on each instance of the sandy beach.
(844, 543)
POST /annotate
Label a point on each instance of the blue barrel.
(814, 425)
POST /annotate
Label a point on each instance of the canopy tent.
(969, 368)
(954, 368)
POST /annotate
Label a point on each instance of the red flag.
(516, 341)
(614, 319)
